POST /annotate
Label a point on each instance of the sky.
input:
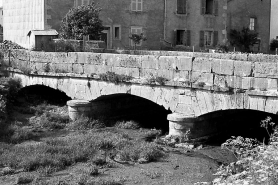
(1, 2)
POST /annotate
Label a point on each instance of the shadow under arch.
(236, 122)
(126, 107)
(39, 93)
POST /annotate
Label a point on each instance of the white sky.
(1, 2)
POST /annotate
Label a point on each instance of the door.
(105, 36)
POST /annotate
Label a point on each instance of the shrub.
(273, 44)
(52, 120)
(84, 123)
(257, 163)
(127, 125)
(115, 78)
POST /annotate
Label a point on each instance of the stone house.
(22, 16)
(191, 24)
(256, 15)
(165, 23)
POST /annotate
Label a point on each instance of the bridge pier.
(180, 125)
(78, 108)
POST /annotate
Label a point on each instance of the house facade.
(255, 15)
(121, 18)
(193, 24)
(22, 16)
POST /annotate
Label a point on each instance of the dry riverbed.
(46, 148)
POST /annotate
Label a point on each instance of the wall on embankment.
(191, 83)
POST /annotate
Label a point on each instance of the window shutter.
(215, 4)
(179, 6)
(174, 37)
(215, 38)
(202, 39)
(203, 7)
(188, 38)
(255, 24)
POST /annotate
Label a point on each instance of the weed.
(24, 179)
(150, 135)
(153, 79)
(26, 70)
(83, 123)
(20, 134)
(52, 120)
(257, 163)
(127, 125)
(115, 78)
(46, 68)
(201, 84)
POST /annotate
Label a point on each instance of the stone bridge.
(188, 84)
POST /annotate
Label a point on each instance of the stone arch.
(123, 106)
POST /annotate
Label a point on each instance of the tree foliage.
(243, 39)
(273, 44)
(137, 38)
(81, 21)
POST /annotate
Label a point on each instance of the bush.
(127, 125)
(115, 78)
(257, 163)
(273, 44)
(84, 123)
(52, 120)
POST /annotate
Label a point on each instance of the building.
(1, 16)
(123, 17)
(22, 16)
(254, 14)
(190, 24)
(200, 24)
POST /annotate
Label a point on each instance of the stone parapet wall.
(208, 71)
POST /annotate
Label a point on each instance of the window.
(208, 38)
(136, 30)
(136, 5)
(81, 2)
(117, 32)
(181, 6)
(182, 37)
(252, 24)
(209, 7)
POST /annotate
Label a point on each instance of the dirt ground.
(180, 166)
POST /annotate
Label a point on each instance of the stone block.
(83, 57)
(185, 99)
(133, 61)
(183, 63)
(266, 69)
(133, 72)
(149, 62)
(95, 59)
(221, 66)
(185, 109)
(167, 63)
(248, 83)
(96, 69)
(72, 57)
(110, 59)
(78, 68)
(199, 77)
(242, 68)
(60, 67)
(272, 84)
(202, 65)
(261, 84)
(59, 57)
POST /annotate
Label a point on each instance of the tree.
(243, 39)
(137, 38)
(82, 21)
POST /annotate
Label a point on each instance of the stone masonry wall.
(197, 83)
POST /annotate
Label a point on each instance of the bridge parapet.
(191, 84)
